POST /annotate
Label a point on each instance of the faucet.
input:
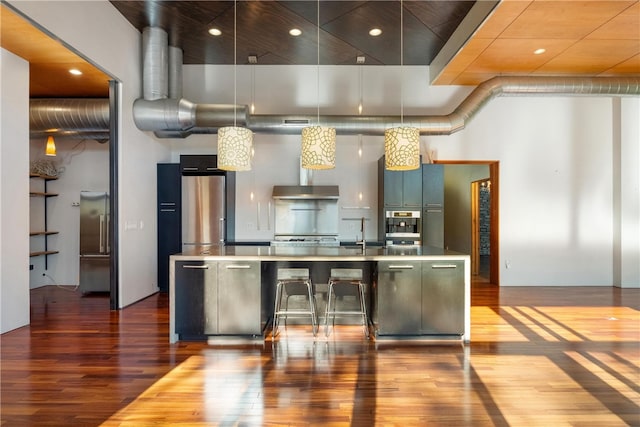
(362, 242)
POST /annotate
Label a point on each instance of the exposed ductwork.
(165, 112)
(71, 117)
(169, 117)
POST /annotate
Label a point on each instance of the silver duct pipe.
(177, 117)
(175, 72)
(100, 137)
(460, 117)
(88, 115)
(155, 63)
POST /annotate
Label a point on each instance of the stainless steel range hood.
(306, 192)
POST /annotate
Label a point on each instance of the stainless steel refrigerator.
(203, 211)
(95, 248)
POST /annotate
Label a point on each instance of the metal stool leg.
(276, 310)
(328, 310)
(363, 307)
(312, 305)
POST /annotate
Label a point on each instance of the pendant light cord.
(235, 77)
(401, 63)
(318, 64)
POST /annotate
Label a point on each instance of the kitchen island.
(227, 292)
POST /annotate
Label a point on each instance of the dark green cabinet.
(400, 189)
(442, 298)
(419, 298)
(433, 205)
(399, 296)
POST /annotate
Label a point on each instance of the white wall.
(629, 243)
(14, 191)
(84, 165)
(555, 185)
(98, 32)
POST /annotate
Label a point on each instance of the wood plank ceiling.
(587, 38)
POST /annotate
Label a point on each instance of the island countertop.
(305, 253)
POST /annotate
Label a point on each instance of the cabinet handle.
(434, 266)
(433, 210)
(209, 168)
(167, 210)
(198, 267)
(167, 204)
(238, 267)
(401, 267)
(189, 168)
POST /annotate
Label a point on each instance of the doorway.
(491, 261)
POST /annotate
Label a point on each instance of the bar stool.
(346, 279)
(294, 281)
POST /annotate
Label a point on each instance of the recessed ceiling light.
(75, 72)
(375, 32)
(295, 32)
(214, 31)
(539, 51)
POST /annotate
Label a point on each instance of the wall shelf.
(45, 232)
(42, 233)
(38, 253)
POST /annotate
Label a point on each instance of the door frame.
(494, 212)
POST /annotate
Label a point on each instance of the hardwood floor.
(538, 356)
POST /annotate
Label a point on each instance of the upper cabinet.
(199, 164)
(432, 185)
(399, 189)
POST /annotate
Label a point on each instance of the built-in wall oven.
(403, 228)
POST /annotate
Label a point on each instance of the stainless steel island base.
(225, 293)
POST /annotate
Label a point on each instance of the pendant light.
(402, 144)
(50, 148)
(235, 144)
(318, 142)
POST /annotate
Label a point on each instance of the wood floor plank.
(538, 356)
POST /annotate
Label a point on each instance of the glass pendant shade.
(50, 149)
(402, 148)
(318, 147)
(235, 145)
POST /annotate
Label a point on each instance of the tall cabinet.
(433, 205)
(44, 232)
(169, 218)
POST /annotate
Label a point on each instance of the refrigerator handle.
(101, 234)
(106, 234)
(222, 236)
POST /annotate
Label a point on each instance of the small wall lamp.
(50, 149)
